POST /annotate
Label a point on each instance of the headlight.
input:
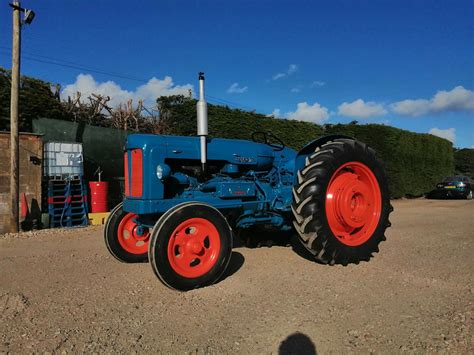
(162, 171)
(159, 172)
(461, 184)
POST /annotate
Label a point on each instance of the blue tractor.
(186, 197)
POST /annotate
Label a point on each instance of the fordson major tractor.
(186, 198)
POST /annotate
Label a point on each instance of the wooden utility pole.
(14, 137)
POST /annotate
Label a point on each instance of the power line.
(229, 103)
(73, 65)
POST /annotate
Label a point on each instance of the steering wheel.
(266, 135)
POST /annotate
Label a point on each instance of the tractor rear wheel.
(190, 246)
(124, 238)
(341, 202)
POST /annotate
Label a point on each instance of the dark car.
(454, 186)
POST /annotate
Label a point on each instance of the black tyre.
(341, 202)
(190, 246)
(124, 239)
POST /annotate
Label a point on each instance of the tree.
(37, 99)
(90, 112)
(40, 99)
(170, 109)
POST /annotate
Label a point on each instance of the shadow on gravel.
(261, 239)
(297, 343)
(235, 263)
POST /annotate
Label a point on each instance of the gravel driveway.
(60, 291)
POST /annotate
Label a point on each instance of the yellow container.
(98, 218)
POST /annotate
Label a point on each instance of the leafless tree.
(90, 111)
(96, 110)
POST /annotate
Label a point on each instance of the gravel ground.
(60, 291)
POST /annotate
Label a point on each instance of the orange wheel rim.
(353, 203)
(132, 237)
(194, 247)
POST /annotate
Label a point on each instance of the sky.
(408, 64)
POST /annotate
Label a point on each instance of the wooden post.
(14, 137)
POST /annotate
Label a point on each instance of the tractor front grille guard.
(133, 164)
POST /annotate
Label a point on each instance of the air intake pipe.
(202, 130)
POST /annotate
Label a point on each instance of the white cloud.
(311, 113)
(236, 89)
(458, 99)
(449, 133)
(276, 113)
(361, 109)
(278, 76)
(411, 107)
(317, 84)
(292, 68)
(149, 92)
(304, 112)
(295, 90)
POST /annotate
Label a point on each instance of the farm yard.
(206, 180)
(62, 292)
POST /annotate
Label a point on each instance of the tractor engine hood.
(258, 156)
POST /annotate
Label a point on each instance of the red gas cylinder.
(99, 192)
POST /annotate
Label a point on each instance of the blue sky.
(409, 64)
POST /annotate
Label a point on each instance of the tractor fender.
(311, 147)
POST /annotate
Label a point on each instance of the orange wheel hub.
(353, 203)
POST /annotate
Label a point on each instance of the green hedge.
(415, 162)
(464, 162)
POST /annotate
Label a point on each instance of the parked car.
(454, 186)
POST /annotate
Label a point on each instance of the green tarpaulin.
(102, 147)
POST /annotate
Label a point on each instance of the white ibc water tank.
(63, 159)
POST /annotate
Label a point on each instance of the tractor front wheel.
(190, 246)
(341, 202)
(125, 239)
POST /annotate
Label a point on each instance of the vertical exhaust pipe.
(202, 130)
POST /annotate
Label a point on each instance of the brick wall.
(31, 155)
